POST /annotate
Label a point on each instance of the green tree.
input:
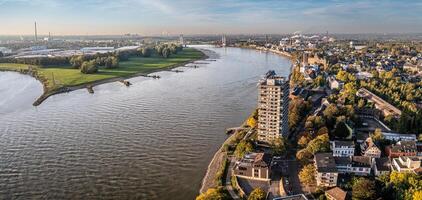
(214, 194)
(303, 141)
(377, 136)
(257, 194)
(251, 122)
(304, 156)
(342, 76)
(307, 174)
(243, 148)
(278, 146)
(166, 52)
(76, 61)
(319, 144)
(319, 81)
(89, 67)
(363, 189)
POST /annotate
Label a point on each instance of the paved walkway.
(228, 184)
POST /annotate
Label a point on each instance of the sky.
(155, 17)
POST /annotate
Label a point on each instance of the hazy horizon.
(190, 17)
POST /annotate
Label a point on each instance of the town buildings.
(402, 148)
(273, 107)
(407, 164)
(253, 166)
(326, 168)
(358, 165)
(381, 166)
(370, 149)
(343, 148)
(385, 107)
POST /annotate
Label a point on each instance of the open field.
(66, 76)
(55, 78)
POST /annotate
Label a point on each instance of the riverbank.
(281, 53)
(63, 79)
(214, 167)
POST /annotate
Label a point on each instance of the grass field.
(66, 76)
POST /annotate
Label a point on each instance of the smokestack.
(36, 36)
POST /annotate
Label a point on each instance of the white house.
(407, 164)
(369, 149)
(358, 165)
(399, 137)
(343, 148)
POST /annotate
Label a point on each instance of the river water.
(152, 140)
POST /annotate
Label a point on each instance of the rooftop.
(325, 162)
(339, 144)
(383, 164)
(337, 193)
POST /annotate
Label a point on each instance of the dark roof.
(348, 144)
(342, 160)
(337, 193)
(361, 161)
(383, 164)
(355, 161)
(325, 162)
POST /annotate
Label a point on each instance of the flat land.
(65, 76)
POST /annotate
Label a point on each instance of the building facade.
(273, 107)
(370, 149)
(357, 165)
(343, 148)
(253, 166)
(326, 169)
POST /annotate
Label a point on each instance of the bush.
(257, 194)
(214, 194)
(89, 67)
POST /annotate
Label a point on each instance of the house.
(253, 166)
(369, 149)
(407, 164)
(358, 165)
(381, 166)
(402, 148)
(327, 173)
(335, 193)
(343, 148)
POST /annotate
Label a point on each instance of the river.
(152, 140)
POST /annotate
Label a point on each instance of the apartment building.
(327, 173)
(273, 107)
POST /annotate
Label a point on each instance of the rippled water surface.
(152, 140)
